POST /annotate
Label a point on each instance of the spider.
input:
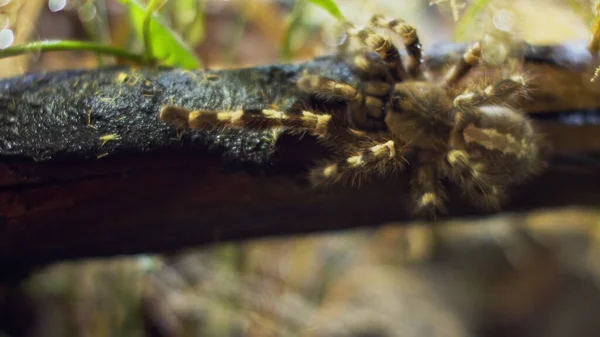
(397, 118)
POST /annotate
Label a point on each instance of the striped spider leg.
(361, 155)
(366, 101)
(492, 147)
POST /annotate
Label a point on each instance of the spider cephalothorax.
(473, 139)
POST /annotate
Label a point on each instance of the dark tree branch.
(87, 168)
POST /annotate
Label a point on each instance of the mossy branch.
(88, 169)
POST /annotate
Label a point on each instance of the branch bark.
(87, 169)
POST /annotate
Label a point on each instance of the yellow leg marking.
(274, 114)
(319, 123)
(456, 156)
(379, 150)
(429, 199)
(596, 74)
(489, 90)
(473, 55)
(464, 100)
(176, 116)
(519, 79)
(230, 116)
(330, 170)
(355, 161)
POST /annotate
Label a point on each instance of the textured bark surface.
(87, 168)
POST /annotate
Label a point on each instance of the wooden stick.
(87, 169)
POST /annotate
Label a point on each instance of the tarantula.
(474, 139)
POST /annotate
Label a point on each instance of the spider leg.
(469, 60)
(363, 159)
(371, 65)
(316, 124)
(327, 87)
(502, 91)
(485, 184)
(485, 188)
(365, 104)
(409, 37)
(426, 188)
(382, 46)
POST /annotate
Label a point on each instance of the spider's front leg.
(469, 60)
(383, 47)
(410, 38)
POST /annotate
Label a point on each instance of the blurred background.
(531, 274)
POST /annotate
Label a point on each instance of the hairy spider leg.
(316, 124)
(502, 91)
(382, 46)
(474, 181)
(363, 103)
(368, 158)
(426, 187)
(175, 116)
(373, 67)
(410, 38)
(477, 180)
(469, 60)
(328, 88)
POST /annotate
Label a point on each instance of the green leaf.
(164, 44)
(330, 6)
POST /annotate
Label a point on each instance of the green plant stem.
(60, 45)
(146, 29)
(294, 21)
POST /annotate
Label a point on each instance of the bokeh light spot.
(504, 20)
(7, 37)
(87, 12)
(57, 5)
